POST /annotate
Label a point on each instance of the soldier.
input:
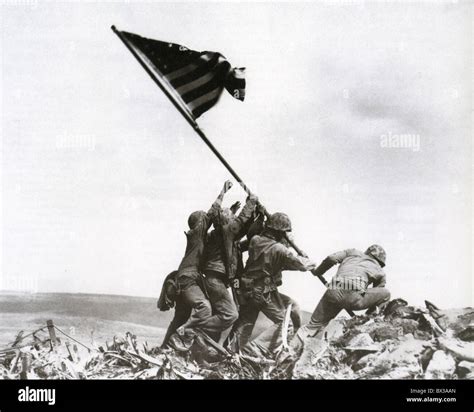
(189, 281)
(268, 257)
(221, 263)
(349, 287)
(169, 298)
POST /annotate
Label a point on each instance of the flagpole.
(188, 118)
(192, 122)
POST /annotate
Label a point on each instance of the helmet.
(195, 217)
(378, 253)
(279, 221)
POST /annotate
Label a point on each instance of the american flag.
(196, 78)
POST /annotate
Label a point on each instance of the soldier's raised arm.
(332, 260)
(217, 205)
(244, 216)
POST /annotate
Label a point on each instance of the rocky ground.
(404, 342)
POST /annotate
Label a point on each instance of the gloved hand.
(261, 209)
(235, 207)
(309, 264)
(227, 186)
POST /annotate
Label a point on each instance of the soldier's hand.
(235, 207)
(261, 209)
(227, 186)
(311, 266)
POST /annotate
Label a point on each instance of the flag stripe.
(196, 79)
(205, 107)
(195, 84)
(203, 68)
(205, 98)
(181, 72)
(189, 68)
(215, 82)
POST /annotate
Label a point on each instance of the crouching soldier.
(268, 257)
(189, 280)
(349, 287)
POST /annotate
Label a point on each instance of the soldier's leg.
(223, 307)
(295, 311)
(270, 338)
(181, 315)
(201, 310)
(370, 299)
(244, 325)
(327, 309)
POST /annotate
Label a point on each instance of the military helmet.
(378, 253)
(195, 217)
(279, 221)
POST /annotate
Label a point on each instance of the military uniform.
(258, 290)
(349, 287)
(193, 308)
(222, 259)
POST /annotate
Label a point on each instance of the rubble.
(441, 366)
(404, 342)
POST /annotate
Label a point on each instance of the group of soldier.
(213, 291)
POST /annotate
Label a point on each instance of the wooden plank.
(52, 332)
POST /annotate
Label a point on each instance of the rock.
(465, 370)
(455, 319)
(423, 335)
(387, 332)
(426, 356)
(407, 325)
(334, 330)
(393, 306)
(461, 350)
(364, 361)
(402, 354)
(441, 366)
(362, 342)
(359, 347)
(428, 324)
(467, 334)
(403, 372)
(398, 308)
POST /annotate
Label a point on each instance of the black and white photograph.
(236, 193)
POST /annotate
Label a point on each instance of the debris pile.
(404, 342)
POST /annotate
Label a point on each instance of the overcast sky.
(100, 172)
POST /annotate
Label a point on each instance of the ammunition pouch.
(256, 290)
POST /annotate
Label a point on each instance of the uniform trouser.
(224, 309)
(335, 300)
(273, 305)
(182, 312)
(192, 296)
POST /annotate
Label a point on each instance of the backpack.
(169, 292)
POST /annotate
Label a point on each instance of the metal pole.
(192, 122)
